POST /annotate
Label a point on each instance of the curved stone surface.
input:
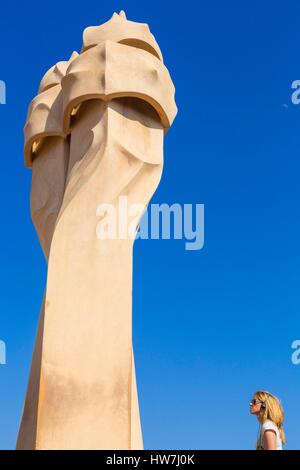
(119, 70)
(44, 117)
(94, 138)
(107, 71)
(119, 29)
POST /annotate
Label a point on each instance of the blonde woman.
(269, 413)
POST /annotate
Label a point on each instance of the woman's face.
(255, 406)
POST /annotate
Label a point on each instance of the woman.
(269, 413)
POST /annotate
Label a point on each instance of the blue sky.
(210, 326)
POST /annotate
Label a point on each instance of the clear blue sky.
(210, 326)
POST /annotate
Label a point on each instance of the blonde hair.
(272, 410)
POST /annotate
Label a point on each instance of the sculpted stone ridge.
(118, 70)
(55, 74)
(119, 29)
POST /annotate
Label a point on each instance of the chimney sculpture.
(93, 137)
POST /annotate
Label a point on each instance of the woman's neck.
(260, 418)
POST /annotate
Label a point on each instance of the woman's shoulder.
(269, 425)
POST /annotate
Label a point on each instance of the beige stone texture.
(94, 135)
